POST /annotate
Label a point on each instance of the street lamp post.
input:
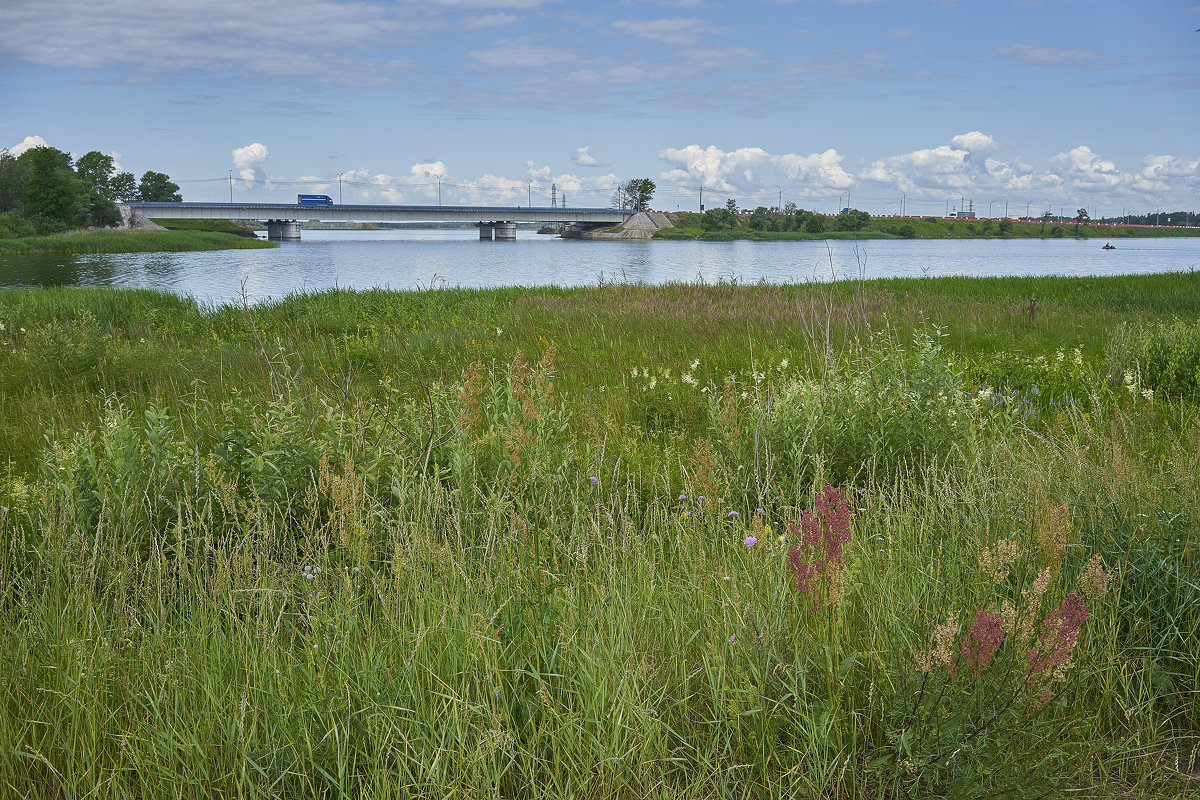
(339, 180)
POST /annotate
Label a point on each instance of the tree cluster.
(762, 218)
(43, 190)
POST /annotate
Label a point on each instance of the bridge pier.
(506, 231)
(283, 229)
(485, 231)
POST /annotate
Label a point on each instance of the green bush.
(1161, 356)
(879, 411)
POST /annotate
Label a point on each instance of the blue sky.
(1026, 104)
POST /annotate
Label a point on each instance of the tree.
(641, 190)
(761, 219)
(731, 205)
(123, 187)
(1006, 226)
(156, 187)
(1081, 218)
(634, 193)
(716, 219)
(96, 171)
(814, 223)
(52, 190)
(851, 220)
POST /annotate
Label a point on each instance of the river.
(433, 258)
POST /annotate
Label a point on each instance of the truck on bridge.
(313, 200)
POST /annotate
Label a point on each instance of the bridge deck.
(378, 213)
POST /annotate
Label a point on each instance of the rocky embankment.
(640, 226)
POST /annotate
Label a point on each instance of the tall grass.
(360, 553)
(119, 241)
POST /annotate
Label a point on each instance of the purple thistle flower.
(732, 514)
(750, 541)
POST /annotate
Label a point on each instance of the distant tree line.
(43, 190)
(1188, 219)
(789, 218)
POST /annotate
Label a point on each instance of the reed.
(552, 543)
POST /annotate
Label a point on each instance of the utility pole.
(702, 198)
(529, 192)
(230, 186)
(554, 195)
(439, 191)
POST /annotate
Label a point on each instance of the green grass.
(210, 225)
(520, 592)
(688, 226)
(114, 241)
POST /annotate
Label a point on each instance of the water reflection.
(420, 259)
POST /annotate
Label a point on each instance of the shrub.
(880, 410)
(1161, 356)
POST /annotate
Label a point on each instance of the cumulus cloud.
(584, 158)
(739, 170)
(248, 161)
(974, 142)
(28, 143)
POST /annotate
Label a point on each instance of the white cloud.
(248, 161)
(28, 143)
(524, 52)
(584, 158)
(678, 31)
(974, 142)
(1054, 56)
(738, 170)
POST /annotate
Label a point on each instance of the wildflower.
(822, 535)
(750, 541)
(731, 514)
(759, 511)
(593, 479)
(982, 640)
(1060, 634)
(683, 497)
(994, 560)
(1148, 394)
(1093, 583)
(695, 364)
(732, 637)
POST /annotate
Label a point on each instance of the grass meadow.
(126, 241)
(890, 539)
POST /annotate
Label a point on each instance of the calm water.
(420, 259)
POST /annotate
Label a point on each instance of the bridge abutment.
(283, 229)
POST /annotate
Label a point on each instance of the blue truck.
(313, 200)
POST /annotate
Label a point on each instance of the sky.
(919, 106)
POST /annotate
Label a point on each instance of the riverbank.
(690, 226)
(131, 241)
(577, 542)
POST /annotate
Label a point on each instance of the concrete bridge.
(283, 219)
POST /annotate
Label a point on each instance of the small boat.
(1109, 247)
